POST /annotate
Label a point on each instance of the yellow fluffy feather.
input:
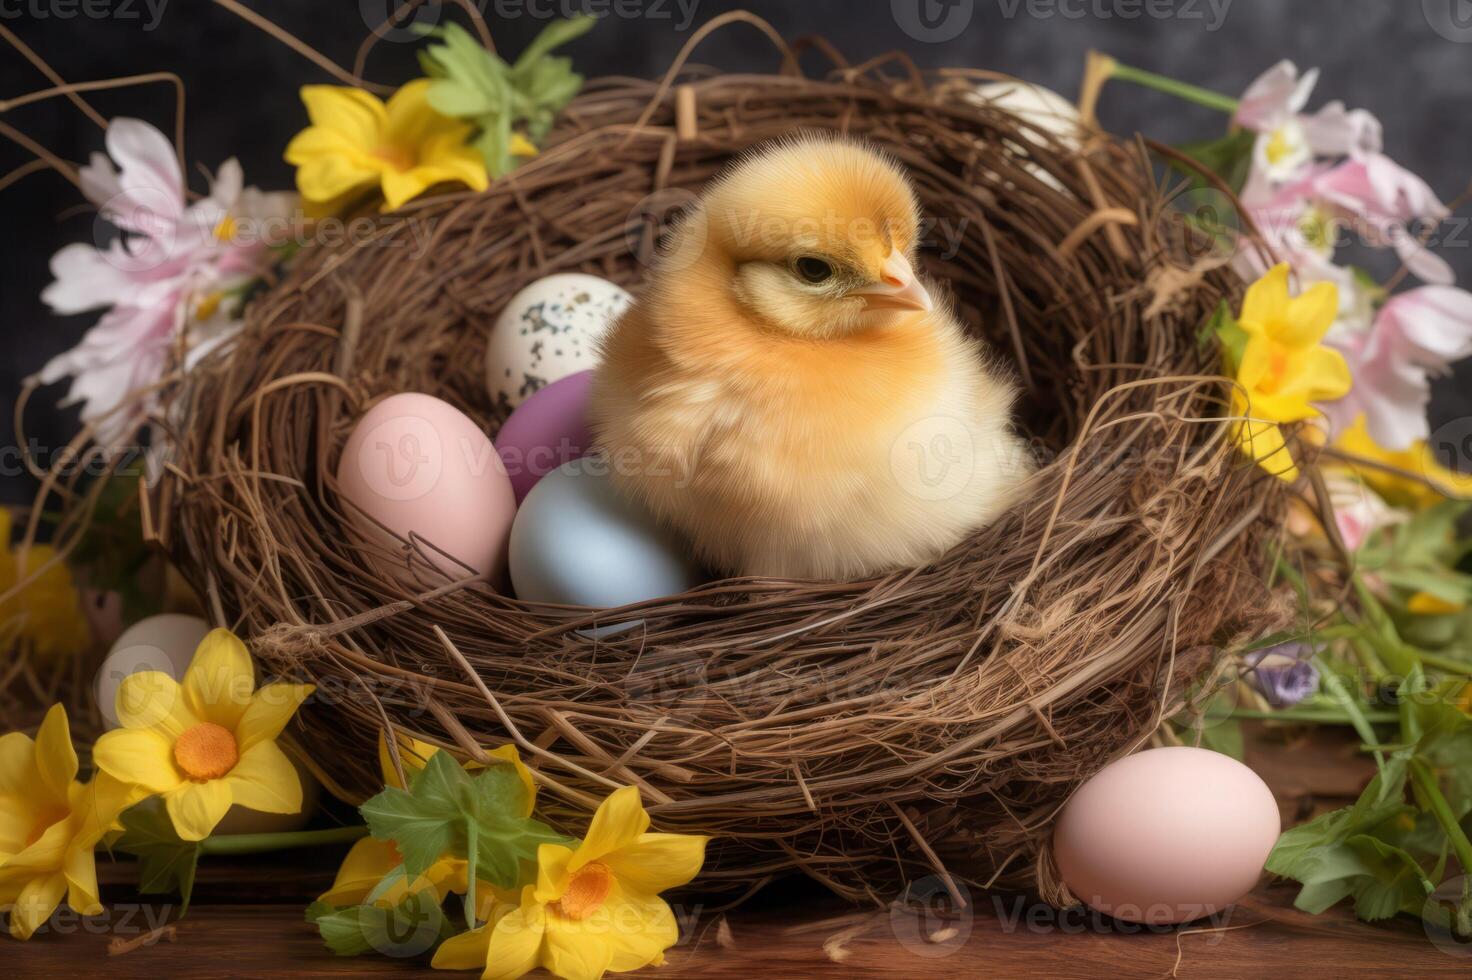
(785, 391)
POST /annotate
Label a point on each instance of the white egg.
(164, 642)
(1038, 106)
(167, 643)
(548, 331)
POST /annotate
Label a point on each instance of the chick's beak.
(898, 288)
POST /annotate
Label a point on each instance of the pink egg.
(548, 429)
(420, 466)
(1166, 836)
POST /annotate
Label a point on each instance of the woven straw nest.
(868, 734)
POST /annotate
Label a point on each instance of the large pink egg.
(420, 466)
(1165, 836)
(548, 429)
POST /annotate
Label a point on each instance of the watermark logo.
(1452, 19)
(1447, 917)
(402, 458)
(933, 459)
(932, 21)
(1451, 447)
(668, 227)
(936, 918)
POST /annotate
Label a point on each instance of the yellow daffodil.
(209, 743)
(1417, 459)
(371, 861)
(49, 825)
(356, 142)
(1284, 368)
(593, 910)
(47, 612)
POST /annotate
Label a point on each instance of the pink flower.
(1417, 334)
(173, 259)
(1384, 198)
(1288, 140)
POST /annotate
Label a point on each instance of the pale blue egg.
(577, 542)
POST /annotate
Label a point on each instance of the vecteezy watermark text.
(378, 15)
(938, 21)
(149, 11)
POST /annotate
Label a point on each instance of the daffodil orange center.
(206, 751)
(398, 157)
(586, 891)
(1277, 368)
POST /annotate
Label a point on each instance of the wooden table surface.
(247, 921)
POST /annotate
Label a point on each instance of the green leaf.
(434, 817)
(421, 820)
(1224, 327)
(165, 862)
(1229, 157)
(472, 83)
(414, 926)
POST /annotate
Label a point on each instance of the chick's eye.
(814, 270)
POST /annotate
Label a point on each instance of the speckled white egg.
(548, 331)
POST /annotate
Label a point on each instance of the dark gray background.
(1408, 61)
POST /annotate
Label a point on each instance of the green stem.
(1399, 658)
(265, 843)
(1448, 664)
(1425, 781)
(1337, 689)
(1181, 90)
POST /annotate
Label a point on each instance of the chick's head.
(817, 236)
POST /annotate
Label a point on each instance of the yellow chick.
(787, 392)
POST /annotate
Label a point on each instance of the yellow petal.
(577, 950)
(220, 680)
(153, 699)
(18, 818)
(18, 775)
(657, 862)
(522, 147)
(47, 853)
(451, 160)
(56, 760)
(466, 951)
(369, 861)
(328, 168)
(1326, 374)
(83, 895)
(1266, 300)
(1426, 604)
(265, 780)
(640, 929)
(619, 822)
(197, 808)
(139, 757)
(268, 712)
(1309, 316)
(1263, 443)
(412, 121)
(100, 804)
(401, 187)
(358, 115)
(414, 755)
(516, 941)
(35, 903)
(552, 872)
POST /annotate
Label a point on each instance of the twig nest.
(926, 724)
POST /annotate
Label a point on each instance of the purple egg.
(548, 429)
